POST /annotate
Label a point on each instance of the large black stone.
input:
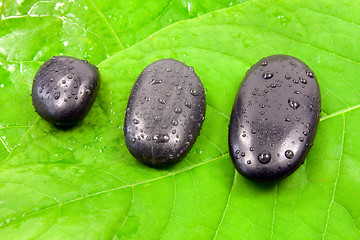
(165, 112)
(274, 118)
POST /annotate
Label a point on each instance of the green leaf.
(82, 183)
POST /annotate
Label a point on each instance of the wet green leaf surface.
(81, 183)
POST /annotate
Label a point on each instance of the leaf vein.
(107, 23)
(218, 111)
(161, 14)
(273, 217)
(352, 218)
(336, 17)
(336, 180)
(172, 209)
(212, 143)
(52, 225)
(5, 145)
(334, 94)
(340, 112)
(128, 213)
(227, 204)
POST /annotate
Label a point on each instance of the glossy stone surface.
(165, 112)
(274, 118)
(64, 89)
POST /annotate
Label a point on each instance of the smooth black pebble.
(165, 112)
(64, 89)
(274, 118)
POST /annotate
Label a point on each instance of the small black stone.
(165, 112)
(64, 89)
(283, 118)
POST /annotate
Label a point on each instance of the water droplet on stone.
(56, 95)
(156, 81)
(193, 92)
(293, 104)
(264, 157)
(162, 101)
(178, 110)
(135, 121)
(303, 81)
(267, 75)
(310, 74)
(161, 138)
(289, 154)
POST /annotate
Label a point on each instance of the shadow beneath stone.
(67, 127)
(260, 186)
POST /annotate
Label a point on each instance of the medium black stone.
(165, 112)
(64, 89)
(274, 118)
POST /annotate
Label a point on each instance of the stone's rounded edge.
(153, 153)
(48, 76)
(233, 137)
